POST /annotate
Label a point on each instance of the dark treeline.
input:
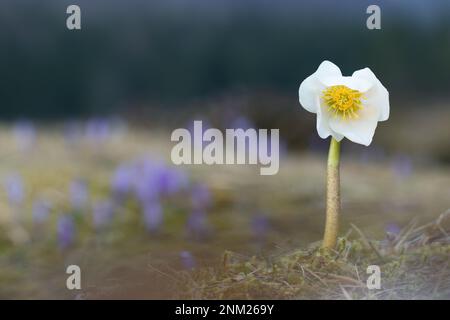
(140, 53)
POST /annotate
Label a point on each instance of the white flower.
(345, 106)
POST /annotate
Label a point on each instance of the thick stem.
(333, 196)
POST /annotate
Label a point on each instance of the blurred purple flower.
(153, 216)
(102, 214)
(14, 189)
(402, 166)
(98, 130)
(65, 231)
(260, 226)
(122, 180)
(78, 194)
(41, 211)
(392, 231)
(25, 135)
(187, 260)
(170, 180)
(155, 179)
(392, 228)
(146, 182)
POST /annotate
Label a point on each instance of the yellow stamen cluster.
(343, 101)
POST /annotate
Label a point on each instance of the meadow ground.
(246, 236)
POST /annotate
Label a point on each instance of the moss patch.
(414, 264)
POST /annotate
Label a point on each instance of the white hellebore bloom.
(345, 106)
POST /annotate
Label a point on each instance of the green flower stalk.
(333, 196)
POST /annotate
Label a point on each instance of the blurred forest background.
(132, 54)
(161, 62)
(86, 116)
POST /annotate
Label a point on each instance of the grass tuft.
(414, 265)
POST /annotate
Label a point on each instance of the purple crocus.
(187, 260)
(98, 130)
(14, 189)
(122, 180)
(154, 179)
(146, 181)
(102, 214)
(392, 231)
(152, 215)
(392, 228)
(41, 211)
(78, 194)
(65, 231)
(170, 180)
(260, 226)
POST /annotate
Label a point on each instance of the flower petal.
(323, 127)
(362, 85)
(311, 87)
(377, 96)
(307, 93)
(326, 69)
(359, 130)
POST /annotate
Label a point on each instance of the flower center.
(343, 101)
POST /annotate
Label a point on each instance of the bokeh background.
(87, 116)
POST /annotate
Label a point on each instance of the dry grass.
(414, 265)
